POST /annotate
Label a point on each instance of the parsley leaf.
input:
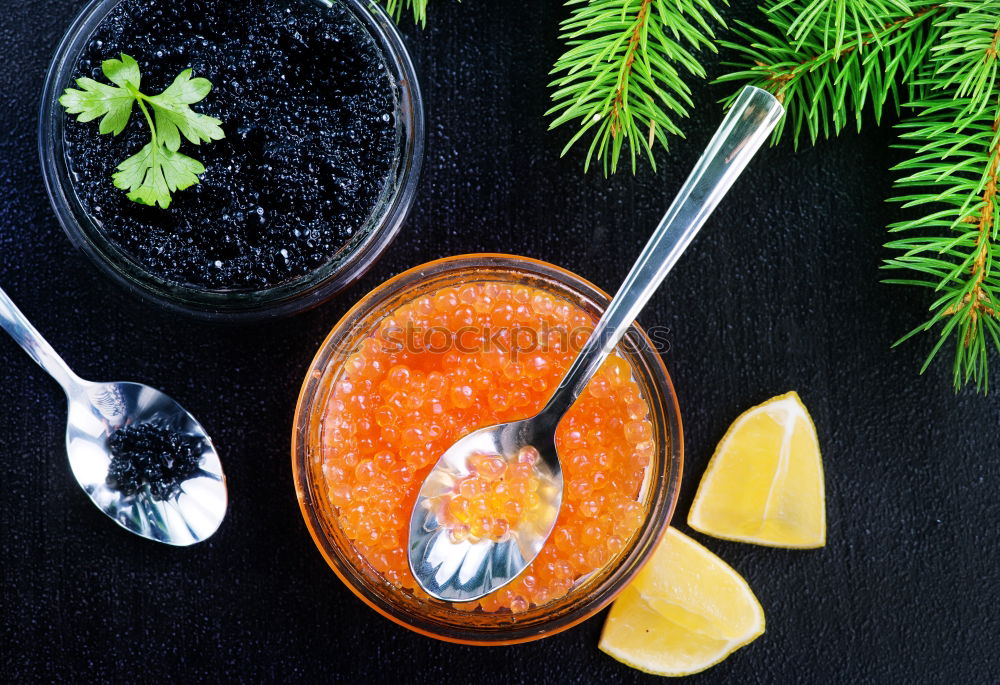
(114, 103)
(122, 72)
(173, 113)
(158, 169)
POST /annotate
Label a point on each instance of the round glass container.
(440, 619)
(290, 297)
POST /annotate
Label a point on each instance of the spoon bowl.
(96, 411)
(465, 570)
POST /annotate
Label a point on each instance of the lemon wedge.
(686, 610)
(765, 482)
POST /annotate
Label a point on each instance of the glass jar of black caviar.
(324, 142)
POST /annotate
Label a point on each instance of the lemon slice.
(686, 610)
(765, 482)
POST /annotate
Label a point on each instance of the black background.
(781, 291)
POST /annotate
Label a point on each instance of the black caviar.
(309, 113)
(144, 453)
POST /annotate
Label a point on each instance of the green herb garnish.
(158, 169)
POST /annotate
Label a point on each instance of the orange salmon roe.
(400, 400)
(493, 499)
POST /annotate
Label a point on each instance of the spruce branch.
(620, 79)
(938, 60)
(827, 58)
(954, 138)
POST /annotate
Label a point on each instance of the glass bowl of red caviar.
(451, 346)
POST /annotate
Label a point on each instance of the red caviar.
(494, 498)
(459, 359)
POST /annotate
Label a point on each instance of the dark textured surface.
(779, 292)
(306, 107)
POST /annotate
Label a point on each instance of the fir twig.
(620, 78)
(826, 58)
(952, 175)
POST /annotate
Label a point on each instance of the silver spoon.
(463, 570)
(96, 411)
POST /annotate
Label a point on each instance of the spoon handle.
(19, 328)
(738, 138)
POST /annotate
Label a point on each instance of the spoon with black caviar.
(458, 568)
(139, 456)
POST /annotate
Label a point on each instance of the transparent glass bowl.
(439, 619)
(288, 298)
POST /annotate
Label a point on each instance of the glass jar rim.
(297, 295)
(656, 519)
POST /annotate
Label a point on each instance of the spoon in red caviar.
(107, 419)
(446, 561)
